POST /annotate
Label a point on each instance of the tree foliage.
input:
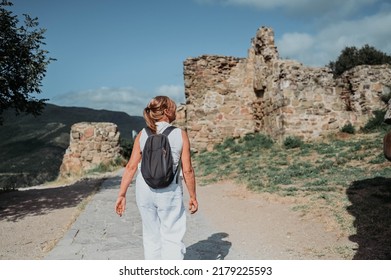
(351, 57)
(23, 63)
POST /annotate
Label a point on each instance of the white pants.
(164, 220)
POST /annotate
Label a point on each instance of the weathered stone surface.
(230, 97)
(91, 144)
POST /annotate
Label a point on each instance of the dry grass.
(344, 181)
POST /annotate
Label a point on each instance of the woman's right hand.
(193, 205)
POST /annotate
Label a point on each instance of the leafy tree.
(351, 57)
(22, 63)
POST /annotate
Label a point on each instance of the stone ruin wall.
(91, 144)
(230, 97)
(218, 99)
(310, 103)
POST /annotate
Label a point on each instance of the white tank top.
(175, 138)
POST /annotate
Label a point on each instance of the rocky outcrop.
(91, 144)
(230, 97)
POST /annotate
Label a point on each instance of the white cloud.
(327, 43)
(295, 43)
(126, 99)
(175, 92)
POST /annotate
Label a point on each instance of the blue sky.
(118, 54)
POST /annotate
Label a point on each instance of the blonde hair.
(157, 108)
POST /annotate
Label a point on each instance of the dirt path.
(259, 226)
(34, 219)
(267, 227)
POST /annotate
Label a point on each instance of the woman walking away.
(161, 207)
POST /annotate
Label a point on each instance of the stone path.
(99, 234)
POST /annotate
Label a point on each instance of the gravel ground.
(254, 226)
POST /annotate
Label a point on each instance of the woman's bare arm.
(188, 173)
(127, 177)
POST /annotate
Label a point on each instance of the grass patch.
(324, 174)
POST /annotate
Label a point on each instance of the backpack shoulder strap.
(148, 131)
(168, 130)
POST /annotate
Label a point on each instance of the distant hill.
(32, 148)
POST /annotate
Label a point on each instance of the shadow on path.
(371, 207)
(16, 205)
(213, 248)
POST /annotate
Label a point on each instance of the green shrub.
(376, 123)
(292, 142)
(348, 128)
(229, 143)
(351, 57)
(256, 141)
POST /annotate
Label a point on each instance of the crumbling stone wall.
(218, 99)
(91, 144)
(308, 102)
(229, 97)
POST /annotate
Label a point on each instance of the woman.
(162, 211)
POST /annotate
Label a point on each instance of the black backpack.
(157, 164)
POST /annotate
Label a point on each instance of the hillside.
(31, 148)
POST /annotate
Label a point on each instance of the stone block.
(89, 132)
